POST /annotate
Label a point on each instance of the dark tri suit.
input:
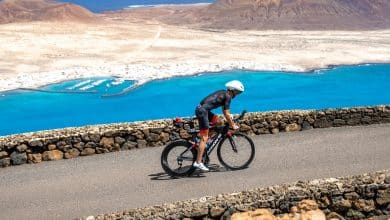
(212, 101)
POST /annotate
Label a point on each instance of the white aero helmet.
(235, 85)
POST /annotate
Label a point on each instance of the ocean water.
(99, 6)
(343, 86)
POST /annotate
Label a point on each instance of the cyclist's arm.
(226, 113)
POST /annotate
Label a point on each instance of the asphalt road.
(118, 181)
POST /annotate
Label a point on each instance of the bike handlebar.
(240, 116)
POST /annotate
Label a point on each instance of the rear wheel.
(236, 152)
(177, 158)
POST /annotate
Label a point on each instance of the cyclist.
(205, 116)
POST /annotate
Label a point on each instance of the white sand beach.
(34, 54)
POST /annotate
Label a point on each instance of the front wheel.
(236, 151)
(177, 158)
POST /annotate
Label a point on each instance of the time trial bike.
(235, 150)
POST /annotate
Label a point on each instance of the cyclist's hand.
(235, 127)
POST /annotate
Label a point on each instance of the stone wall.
(353, 197)
(83, 141)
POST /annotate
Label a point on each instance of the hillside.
(223, 14)
(41, 10)
(276, 14)
(299, 14)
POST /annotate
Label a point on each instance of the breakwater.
(83, 141)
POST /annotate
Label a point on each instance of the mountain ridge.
(223, 14)
(42, 10)
(267, 13)
(275, 14)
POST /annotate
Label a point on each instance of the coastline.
(139, 73)
(142, 74)
(139, 51)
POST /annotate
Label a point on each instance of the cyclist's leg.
(202, 116)
(204, 135)
(213, 119)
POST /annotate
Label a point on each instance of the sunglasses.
(236, 92)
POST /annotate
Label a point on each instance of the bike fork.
(233, 143)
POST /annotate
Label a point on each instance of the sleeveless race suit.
(212, 101)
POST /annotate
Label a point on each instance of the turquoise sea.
(99, 6)
(342, 86)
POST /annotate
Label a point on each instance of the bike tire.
(170, 149)
(226, 142)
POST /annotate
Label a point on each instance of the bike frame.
(210, 147)
(221, 133)
(219, 136)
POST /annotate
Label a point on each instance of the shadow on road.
(197, 174)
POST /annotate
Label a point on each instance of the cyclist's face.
(236, 92)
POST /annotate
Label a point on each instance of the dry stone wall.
(352, 197)
(83, 141)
